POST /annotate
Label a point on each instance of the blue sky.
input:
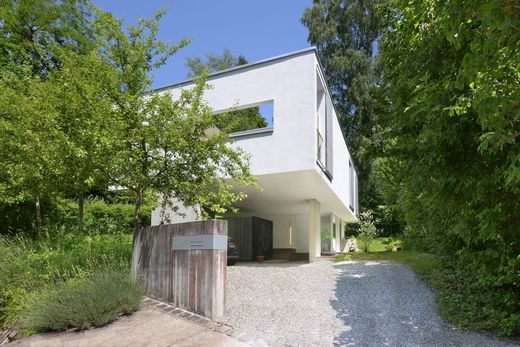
(255, 29)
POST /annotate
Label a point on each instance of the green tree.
(452, 72)
(239, 120)
(34, 35)
(235, 120)
(345, 34)
(367, 229)
(213, 63)
(162, 144)
(31, 30)
(86, 119)
(31, 142)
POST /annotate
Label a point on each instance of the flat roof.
(235, 68)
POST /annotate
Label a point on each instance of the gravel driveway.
(351, 303)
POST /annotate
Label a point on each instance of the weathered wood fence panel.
(190, 271)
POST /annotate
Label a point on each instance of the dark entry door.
(262, 237)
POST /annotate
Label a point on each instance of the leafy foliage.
(345, 34)
(102, 215)
(213, 63)
(234, 120)
(452, 75)
(91, 300)
(163, 144)
(367, 229)
(31, 31)
(27, 265)
(87, 121)
(239, 120)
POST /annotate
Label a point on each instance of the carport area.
(307, 216)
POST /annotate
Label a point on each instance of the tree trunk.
(38, 217)
(81, 208)
(137, 214)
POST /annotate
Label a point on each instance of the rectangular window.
(260, 116)
(320, 130)
(352, 190)
(324, 125)
(321, 149)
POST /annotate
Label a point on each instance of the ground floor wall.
(292, 231)
(289, 231)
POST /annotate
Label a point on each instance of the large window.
(321, 149)
(324, 121)
(352, 187)
(260, 116)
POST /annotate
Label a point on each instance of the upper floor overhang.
(304, 135)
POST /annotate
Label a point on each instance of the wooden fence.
(184, 264)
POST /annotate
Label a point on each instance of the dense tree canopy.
(452, 73)
(32, 30)
(73, 119)
(345, 34)
(433, 119)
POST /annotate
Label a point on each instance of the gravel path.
(384, 303)
(350, 303)
(286, 303)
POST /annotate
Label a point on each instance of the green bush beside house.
(35, 268)
(91, 299)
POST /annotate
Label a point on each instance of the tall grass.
(27, 264)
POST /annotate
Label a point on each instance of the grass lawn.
(421, 263)
(379, 244)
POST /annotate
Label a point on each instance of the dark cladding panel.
(263, 237)
(240, 231)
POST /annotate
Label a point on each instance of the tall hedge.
(452, 82)
(101, 216)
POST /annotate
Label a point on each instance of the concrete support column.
(339, 233)
(314, 229)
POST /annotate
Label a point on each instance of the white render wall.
(291, 145)
(291, 231)
(289, 83)
(182, 215)
(341, 157)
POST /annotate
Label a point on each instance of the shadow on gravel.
(385, 304)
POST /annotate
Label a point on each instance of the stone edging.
(203, 321)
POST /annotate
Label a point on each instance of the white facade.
(300, 182)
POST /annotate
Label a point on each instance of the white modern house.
(308, 179)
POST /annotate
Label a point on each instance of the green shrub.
(27, 264)
(108, 218)
(100, 216)
(469, 297)
(367, 229)
(88, 300)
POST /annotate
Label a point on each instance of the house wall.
(182, 215)
(289, 83)
(290, 147)
(291, 231)
(340, 155)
